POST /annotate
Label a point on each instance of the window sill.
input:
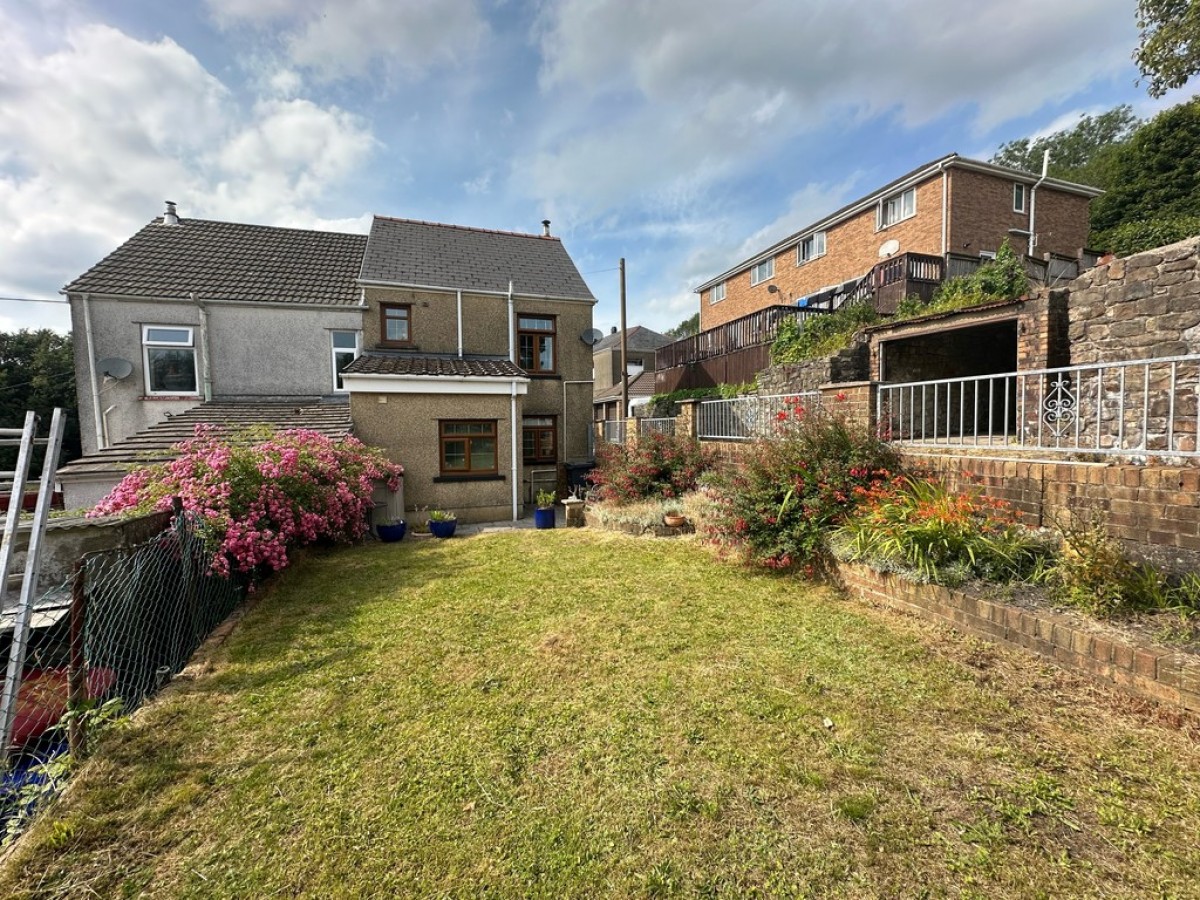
(545, 376)
(894, 224)
(170, 397)
(456, 479)
(396, 345)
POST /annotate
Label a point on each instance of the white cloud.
(99, 129)
(345, 38)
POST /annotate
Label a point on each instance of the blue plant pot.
(392, 533)
(442, 529)
(543, 518)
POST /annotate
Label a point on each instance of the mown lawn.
(573, 714)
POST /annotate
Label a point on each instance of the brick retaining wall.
(1169, 677)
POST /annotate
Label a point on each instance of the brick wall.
(1169, 677)
(1153, 510)
(981, 213)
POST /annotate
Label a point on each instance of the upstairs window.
(897, 208)
(537, 439)
(717, 293)
(810, 248)
(169, 358)
(395, 325)
(1019, 198)
(468, 447)
(346, 347)
(535, 344)
(762, 271)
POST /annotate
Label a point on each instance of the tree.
(1168, 50)
(37, 371)
(1082, 153)
(689, 326)
(1156, 173)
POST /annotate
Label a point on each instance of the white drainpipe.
(98, 416)
(1033, 203)
(513, 429)
(512, 326)
(460, 325)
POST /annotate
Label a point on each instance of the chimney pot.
(614, 329)
(170, 217)
(545, 228)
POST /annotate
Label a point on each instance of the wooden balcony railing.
(755, 330)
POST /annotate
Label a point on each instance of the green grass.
(573, 714)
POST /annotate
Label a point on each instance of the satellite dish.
(888, 248)
(592, 336)
(114, 367)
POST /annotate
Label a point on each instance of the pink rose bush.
(258, 500)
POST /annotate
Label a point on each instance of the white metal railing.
(1144, 407)
(656, 426)
(745, 418)
(614, 431)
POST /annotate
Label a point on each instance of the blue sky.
(680, 134)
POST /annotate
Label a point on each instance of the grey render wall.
(257, 351)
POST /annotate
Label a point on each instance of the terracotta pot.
(674, 521)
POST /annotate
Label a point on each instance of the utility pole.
(624, 351)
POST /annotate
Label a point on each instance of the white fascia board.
(441, 289)
(434, 384)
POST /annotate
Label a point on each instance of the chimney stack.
(169, 217)
(614, 330)
(545, 228)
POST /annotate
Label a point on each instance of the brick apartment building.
(952, 205)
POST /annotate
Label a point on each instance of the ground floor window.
(538, 439)
(468, 447)
(169, 354)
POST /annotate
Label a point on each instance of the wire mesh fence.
(103, 643)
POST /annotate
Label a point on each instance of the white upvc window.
(169, 360)
(1018, 197)
(762, 271)
(345, 347)
(810, 248)
(717, 293)
(896, 208)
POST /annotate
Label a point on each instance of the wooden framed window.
(538, 439)
(169, 357)
(395, 324)
(536, 345)
(468, 447)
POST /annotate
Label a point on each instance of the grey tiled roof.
(154, 444)
(231, 261)
(640, 386)
(407, 252)
(404, 364)
(639, 339)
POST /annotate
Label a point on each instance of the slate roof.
(154, 444)
(230, 261)
(639, 339)
(427, 254)
(408, 364)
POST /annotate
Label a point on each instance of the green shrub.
(1135, 237)
(943, 537)
(790, 489)
(1002, 278)
(821, 334)
(659, 466)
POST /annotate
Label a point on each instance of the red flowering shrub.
(660, 466)
(792, 488)
(256, 501)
